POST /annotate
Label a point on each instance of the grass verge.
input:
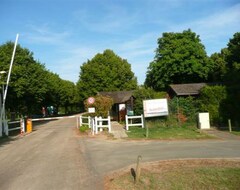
(184, 132)
(181, 175)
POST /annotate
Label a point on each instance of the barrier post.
(126, 118)
(89, 121)
(109, 124)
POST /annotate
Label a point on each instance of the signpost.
(91, 101)
(154, 108)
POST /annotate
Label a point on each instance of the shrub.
(83, 128)
(211, 99)
(102, 105)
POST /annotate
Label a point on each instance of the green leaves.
(180, 58)
(105, 72)
(32, 85)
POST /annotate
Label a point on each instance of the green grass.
(236, 131)
(184, 132)
(83, 128)
(183, 179)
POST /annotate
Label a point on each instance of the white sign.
(91, 110)
(155, 107)
(91, 100)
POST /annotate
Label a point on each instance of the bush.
(183, 109)
(83, 128)
(210, 100)
(102, 105)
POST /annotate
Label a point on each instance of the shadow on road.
(6, 140)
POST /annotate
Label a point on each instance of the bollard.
(138, 169)
(229, 125)
(29, 125)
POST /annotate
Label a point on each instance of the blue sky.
(63, 34)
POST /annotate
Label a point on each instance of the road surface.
(55, 157)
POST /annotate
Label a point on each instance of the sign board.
(91, 110)
(91, 100)
(155, 107)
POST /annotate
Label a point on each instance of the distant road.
(55, 157)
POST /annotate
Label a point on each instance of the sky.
(63, 34)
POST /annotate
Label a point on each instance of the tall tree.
(180, 58)
(232, 78)
(32, 85)
(105, 72)
(220, 66)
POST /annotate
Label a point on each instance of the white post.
(80, 121)
(5, 91)
(100, 123)
(96, 125)
(89, 121)
(77, 122)
(109, 124)
(126, 119)
(142, 121)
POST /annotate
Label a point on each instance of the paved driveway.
(55, 157)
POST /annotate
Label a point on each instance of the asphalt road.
(55, 157)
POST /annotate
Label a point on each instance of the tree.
(180, 58)
(27, 86)
(32, 85)
(232, 78)
(220, 66)
(211, 100)
(105, 72)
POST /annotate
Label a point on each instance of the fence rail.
(99, 123)
(131, 118)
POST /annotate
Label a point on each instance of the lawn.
(181, 175)
(163, 132)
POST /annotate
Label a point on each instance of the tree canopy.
(32, 85)
(180, 58)
(105, 72)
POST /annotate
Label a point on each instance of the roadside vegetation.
(167, 130)
(181, 175)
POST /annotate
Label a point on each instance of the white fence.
(21, 125)
(96, 123)
(81, 121)
(131, 118)
(99, 124)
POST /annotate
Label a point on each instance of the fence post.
(96, 125)
(109, 124)
(80, 121)
(142, 121)
(89, 121)
(126, 119)
(229, 125)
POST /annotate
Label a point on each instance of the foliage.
(232, 78)
(173, 132)
(183, 109)
(210, 100)
(181, 175)
(180, 58)
(220, 66)
(83, 128)
(105, 72)
(102, 105)
(143, 93)
(32, 85)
